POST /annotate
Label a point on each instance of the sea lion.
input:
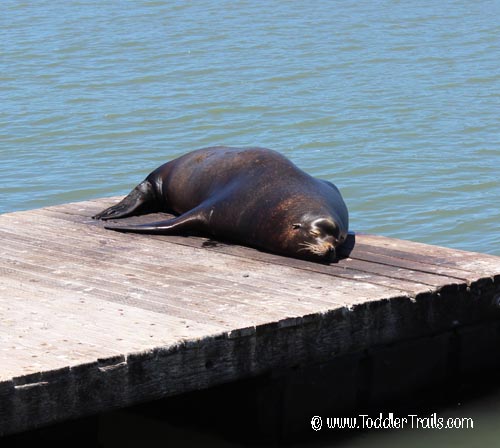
(252, 196)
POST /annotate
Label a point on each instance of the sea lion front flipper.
(189, 221)
(138, 198)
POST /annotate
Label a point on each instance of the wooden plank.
(368, 244)
(365, 243)
(479, 263)
(61, 331)
(138, 317)
(409, 281)
(296, 278)
(150, 275)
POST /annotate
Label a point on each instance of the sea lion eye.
(296, 226)
(328, 227)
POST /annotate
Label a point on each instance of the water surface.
(396, 102)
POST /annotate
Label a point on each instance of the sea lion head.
(316, 237)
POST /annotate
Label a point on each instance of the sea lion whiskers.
(320, 249)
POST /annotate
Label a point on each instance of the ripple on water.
(394, 102)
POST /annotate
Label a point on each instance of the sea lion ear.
(296, 226)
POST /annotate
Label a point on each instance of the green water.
(396, 102)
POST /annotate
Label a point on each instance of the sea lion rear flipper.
(136, 199)
(188, 221)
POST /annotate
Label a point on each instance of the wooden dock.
(93, 320)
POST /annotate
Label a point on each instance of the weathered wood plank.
(409, 281)
(61, 331)
(469, 261)
(92, 319)
(365, 243)
(296, 278)
(367, 248)
(143, 279)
